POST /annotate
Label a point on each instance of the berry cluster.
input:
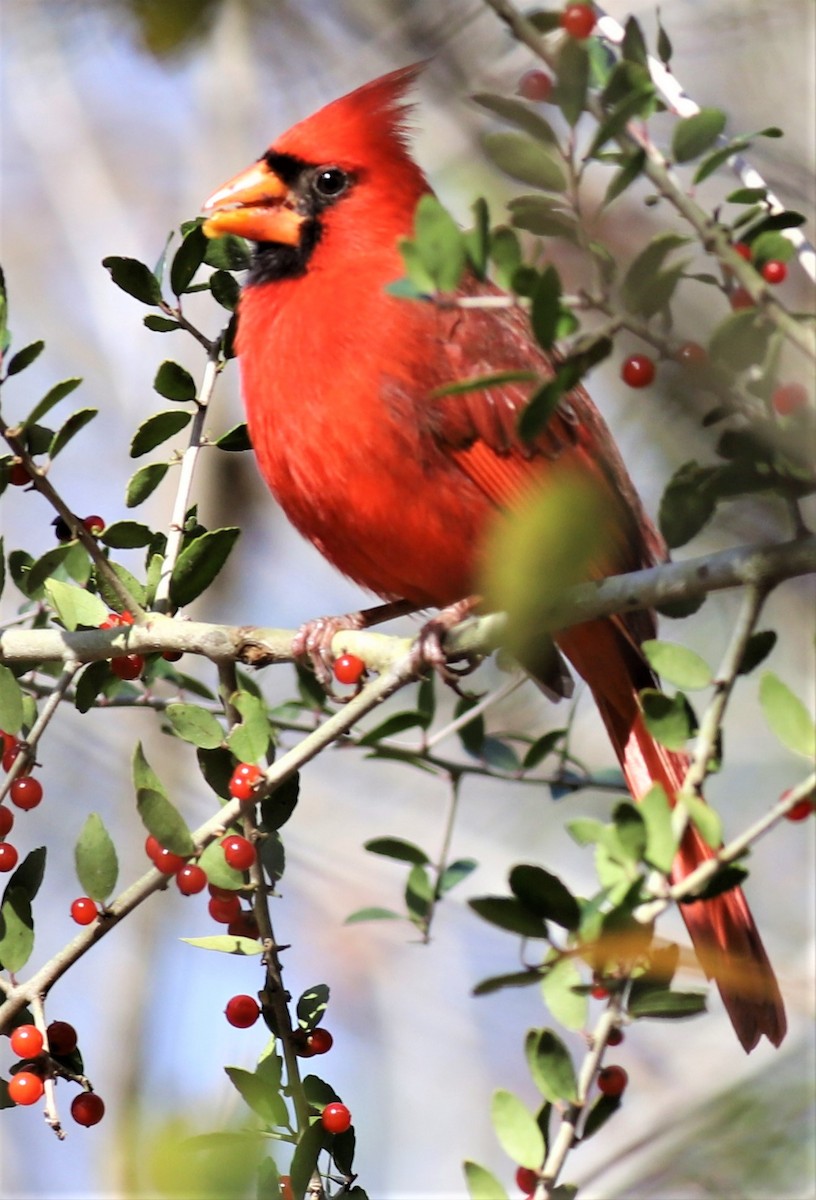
(25, 792)
(39, 1056)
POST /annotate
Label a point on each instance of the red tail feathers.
(722, 929)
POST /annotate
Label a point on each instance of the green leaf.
(599, 1114)
(626, 840)
(199, 563)
(144, 482)
(159, 816)
(235, 439)
(660, 1002)
(16, 929)
(664, 46)
(312, 1005)
(676, 664)
(126, 535)
(631, 169)
(229, 253)
(97, 865)
(249, 740)
(481, 1184)
(226, 943)
(11, 701)
(551, 1066)
(669, 719)
(29, 874)
(726, 878)
(134, 278)
(713, 161)
(740, 340)
(661, 843)
(573, 80)
(371, 914)
(638, 102)
(542, 216)
(160, 324)
(225, 289)
(586, 831)
(787, 716)
(757, 648)
(568, 1006)
(419, 894)
(397, 848)
(695, 134)
(520, 114)
(633, 47)
(195, 724)
(547, 744)
(391, 726)
(277, 808)
(514, 979)
(517, 1130)
(454, 873)
(72, 426)
(75, 606)
(545, 895)
(261, 1090)
(174, 382)
(157, 429)
(510, 914)
(546, 307)
(187, 259)
(131, 584)
(687, 504)
(439, 243)
(53, 396)
(706, 820)
(304, 1160)
(637, 289)
(24, 358)
(89, 684)
(523, 158)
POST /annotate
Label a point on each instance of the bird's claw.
(313, 641)
(429, 647)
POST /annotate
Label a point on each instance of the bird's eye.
(330, 182)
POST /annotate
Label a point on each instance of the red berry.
(172, 655)
(774, 271)
(348, 668)
(84, 910)
(26, 1041)
(93, 524)
(191, 879)
(114, 620)
(599, 992)
(87, 1108)
(526, 1180)
(224, 909)
(536, 86)
(62, 1038)
(168, 862)
(787, 398)
(129, 666)
(244, 925)
(62, 529)
(26, 792)
(239, 853)
(18, 475)
(286, 1188)
(243, 780)
(25, 1087)
(336, 1118)
(242, 1011)
(152, 848)
(578, 20)
(612, 1081)
(6, 821)
(743, 250)
(638, 371)
(801, 810)
(691, 354)
(8, 856)
(740, 298)
(221, 893)
(319, 1041)
(614, 1037)
(11, 749)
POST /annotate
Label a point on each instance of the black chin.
(273, 261)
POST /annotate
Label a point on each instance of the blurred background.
(118, 118)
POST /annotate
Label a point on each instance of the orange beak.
(256, 205)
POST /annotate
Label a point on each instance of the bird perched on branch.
(399, 482)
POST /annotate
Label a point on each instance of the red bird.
(397, 486)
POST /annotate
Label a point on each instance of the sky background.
(107, 146)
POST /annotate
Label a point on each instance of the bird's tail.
(722, 929)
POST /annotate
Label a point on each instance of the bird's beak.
(255, 205)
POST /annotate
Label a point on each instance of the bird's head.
(341, 178)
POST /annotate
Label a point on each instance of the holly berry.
(6, 820)
(62, 530)
(286, 1188)
(691, 354)
(789, 398)
(25, 1087)
(348, 668)
(114, 620)
(8, 856)
(152, 848)
(526, 1180)
(26, 1041)
(191, 879)
(224, 909)
(94, 525)
(614, 1037)
(26, 792)
(612, 1081)
(167, 862)
(11, 748)
(578, 20)
(87, 1108)
(84, 910)
(239, 853)
(242, 1011)
(536, 86)
(638, 371)
(743, 250)
(801, 810)
(599, 992)
(172, 655)
(319, 1041)
(62, 1038)
(741, 298)
(774, 271)
(243, 780)
(18, 475)
(335, 1118)
(129, 666)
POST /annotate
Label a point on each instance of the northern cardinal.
(398, 486)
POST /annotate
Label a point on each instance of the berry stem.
(51, 1112)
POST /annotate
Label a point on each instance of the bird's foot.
(429, 648)
(313, 641)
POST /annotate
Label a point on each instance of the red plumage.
(398, 488)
